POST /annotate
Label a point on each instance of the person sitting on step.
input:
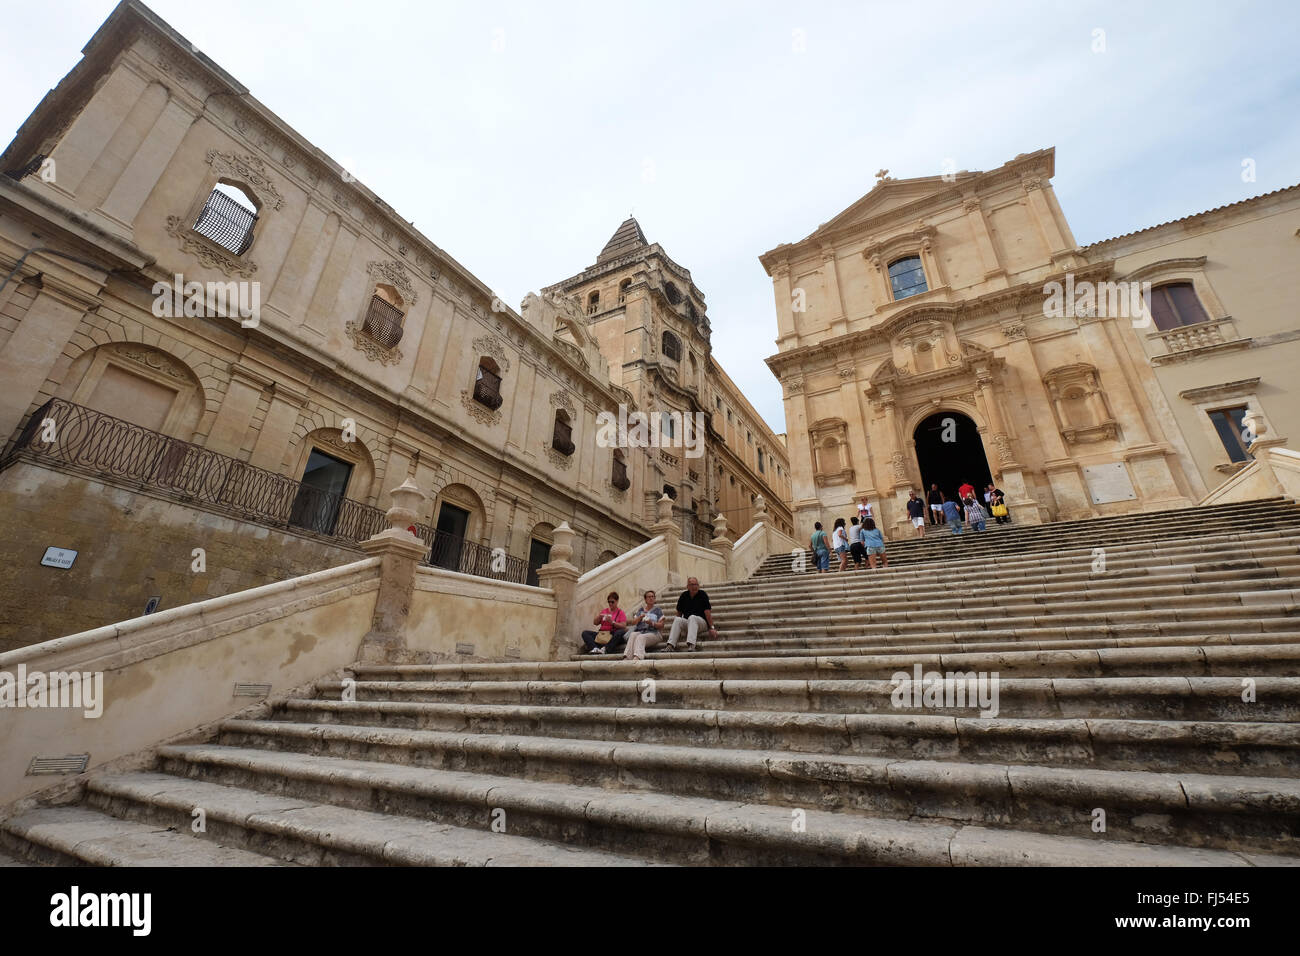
(611, 624)
(874, 543)
(693, 612)
(646, 627)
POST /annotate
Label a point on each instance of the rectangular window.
(1228, 423)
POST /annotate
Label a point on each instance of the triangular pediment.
(890, 195)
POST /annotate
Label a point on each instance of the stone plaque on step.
(1108, 483)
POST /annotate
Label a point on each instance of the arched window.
(907, 277)
(1176, 304)
(672, 346)
(670, 491)
(562, 439)
(593, 303)
(666, 428)
(622, 290)
(671, 292)
(618, 477)
(487, 383)
(228, 218)
(384, 316)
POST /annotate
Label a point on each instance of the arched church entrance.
(950, 453)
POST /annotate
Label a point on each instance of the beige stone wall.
(131, 546)
(457, 618)
(139, 135)
(1241, 263)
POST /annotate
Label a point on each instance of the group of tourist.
(614, 631)
(862, 542)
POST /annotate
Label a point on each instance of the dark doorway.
(950, 452)
(539, 553)
(324, 480)
(449, 542)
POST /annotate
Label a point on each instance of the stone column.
(787, 335)
(1010, 472)
(560, 576)
(672, 533)
(399, 552)
(722, 544)
(838, 321)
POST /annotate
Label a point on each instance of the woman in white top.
(840, 542)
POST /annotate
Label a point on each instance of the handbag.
(999, 511)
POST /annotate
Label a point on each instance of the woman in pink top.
(611, 622)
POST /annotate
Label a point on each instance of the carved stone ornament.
(899, 467)
(374, 351)
(208, 253)
(794, 386)
(564, 400)
(251, 170)
(478, 411)
(491, 345)
(394, 273)
(1016, 331)
(157, 361)
(1003, 444)
(560, 461)
(618, 494)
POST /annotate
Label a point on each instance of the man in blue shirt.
(952, 515)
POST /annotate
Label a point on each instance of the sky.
(517, 136)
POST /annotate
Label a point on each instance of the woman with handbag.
(998, 505)
(611, 622)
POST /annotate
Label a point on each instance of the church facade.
(949, 329)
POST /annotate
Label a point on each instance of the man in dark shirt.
(936, 499)
(916, 512)
(693, 612)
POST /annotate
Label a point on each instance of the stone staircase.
(1121, 691)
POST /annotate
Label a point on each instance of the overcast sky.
(518, 136)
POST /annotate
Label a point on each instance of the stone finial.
(720, 525)
(665, 508)
(562, 547)
(760, 508)
(406, 500)
(1254, 422)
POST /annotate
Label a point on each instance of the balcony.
(1185, 342)
(110, 449)
(383, 322)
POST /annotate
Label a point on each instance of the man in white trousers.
(693, 612)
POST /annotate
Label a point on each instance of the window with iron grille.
(487, 387)
(907, 277)
(562, 440)
(1176, 304)
(619, 477)
(227, 221)
(672, 347)
(383, 322)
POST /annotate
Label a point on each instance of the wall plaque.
(1108, 483)
(58, 558)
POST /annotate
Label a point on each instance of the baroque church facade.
(919, 344)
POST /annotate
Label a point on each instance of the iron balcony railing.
(85, 441)
(226, 223)
(454, 553)
(383, 322)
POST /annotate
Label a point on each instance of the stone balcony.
(1188, 342)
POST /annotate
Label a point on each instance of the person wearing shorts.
(936, 500)
(856, 551)
(874, 543)
(916, 511)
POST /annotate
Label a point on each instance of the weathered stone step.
(1277, 660)
(1254, 749)
(1155, 698)
(82, 836)
(680, 828)
(319, 834)
(965, 643)
(1223, 812)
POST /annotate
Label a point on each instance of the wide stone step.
(1153, 698)
(319, 834)
(83, 836)
(1257, 749)
(1260, 814)
(680, 828)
